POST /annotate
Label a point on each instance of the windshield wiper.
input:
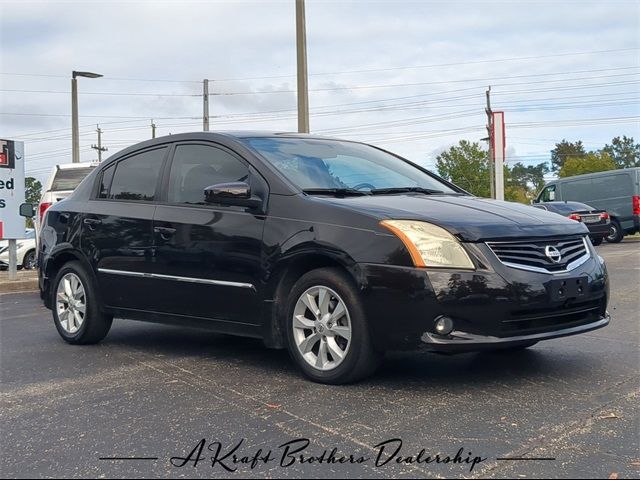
(386, 191)
(339, 192)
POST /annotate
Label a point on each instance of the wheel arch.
(284, 275)
(56, 261)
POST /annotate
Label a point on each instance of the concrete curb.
(9, 286)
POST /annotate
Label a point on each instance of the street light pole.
(75, 141)
(75, 134)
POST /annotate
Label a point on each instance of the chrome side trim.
(160, 276)
(571, 266)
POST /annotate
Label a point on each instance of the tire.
(615, 234)
(359, 358)
(596, 241)
(29, 260)
(81, 329)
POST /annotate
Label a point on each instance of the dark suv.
(336, 250)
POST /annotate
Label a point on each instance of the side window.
(105, 181)
(196, 167)
(548, 194)
(136, 177)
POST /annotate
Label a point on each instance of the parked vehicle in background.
(615, 191)
(25, 249)
(597, 221)
(60, 184)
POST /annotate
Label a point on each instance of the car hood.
(469, 218)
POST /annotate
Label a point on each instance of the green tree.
(590, 163)
(466, 165)
(32, 190)
(624, 152)
(565, 150)
(32, 194)
(522, 182)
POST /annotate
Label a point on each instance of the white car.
(26, 250)
(61, 183)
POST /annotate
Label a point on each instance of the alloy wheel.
(71, 303)
(322, 328)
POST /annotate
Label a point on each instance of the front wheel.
(596, 241)
(76, 312)
(328, 336)
(615, 233)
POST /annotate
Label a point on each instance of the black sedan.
(597, 221)
(335, 250)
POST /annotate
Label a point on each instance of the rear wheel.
(29, 261)
(596, 241)
(328, 336)
(615, 233)
(76, 313)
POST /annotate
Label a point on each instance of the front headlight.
(429, 245)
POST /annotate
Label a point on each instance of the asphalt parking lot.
(154, 392)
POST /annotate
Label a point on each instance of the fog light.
(444, 325)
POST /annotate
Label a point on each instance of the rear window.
(569, 207)
(69, 178)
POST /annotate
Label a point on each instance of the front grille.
(532, 255)
(539, 321)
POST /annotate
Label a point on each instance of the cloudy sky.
(409, 76)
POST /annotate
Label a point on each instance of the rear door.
(117, 236)
(207, 257)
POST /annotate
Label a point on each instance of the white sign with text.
(11, 189)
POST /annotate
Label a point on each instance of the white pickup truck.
(63, 180)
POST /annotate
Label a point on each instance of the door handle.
(92, 222)
(165, 232)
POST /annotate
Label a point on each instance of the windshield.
(330, 164)
(69, 178)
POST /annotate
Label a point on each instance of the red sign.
(4, 159)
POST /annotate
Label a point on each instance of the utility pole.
(153, 129)
(99, 146)
(490, 140)
(303, 86)
(205, 105)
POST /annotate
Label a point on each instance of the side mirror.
(27, 210)
(232, 193)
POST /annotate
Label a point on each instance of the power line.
(408, 67)
(134, 94)
(360, 87)
(343, 72)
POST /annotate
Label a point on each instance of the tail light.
(636, 204)
(604, 216)
(43, 208)
(576, 217)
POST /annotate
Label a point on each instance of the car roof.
(217, 135)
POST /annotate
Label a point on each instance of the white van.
(616, 191)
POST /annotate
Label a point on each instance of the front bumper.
(492, 307)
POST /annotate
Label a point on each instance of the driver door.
(208, 256)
